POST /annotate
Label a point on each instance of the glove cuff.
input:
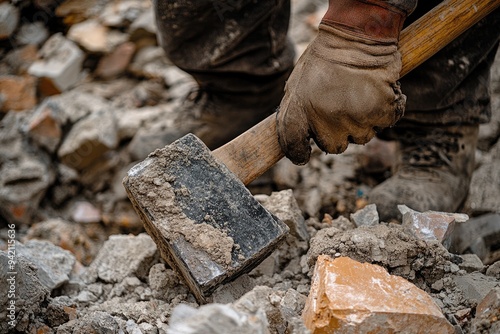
(373, 19)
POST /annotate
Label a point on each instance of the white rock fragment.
(144, 25)
(431, 225)
(459, 217)
(60, 64)
(368, 216)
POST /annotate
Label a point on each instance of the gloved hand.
(344, 87)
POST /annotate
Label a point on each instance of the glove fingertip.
(300, 153)
(293, 138)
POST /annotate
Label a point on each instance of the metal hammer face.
(207, 225)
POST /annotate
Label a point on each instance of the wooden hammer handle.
(252, 153)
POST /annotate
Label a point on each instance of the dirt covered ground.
(83, 261)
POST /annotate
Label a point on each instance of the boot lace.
(434, 148)
(196, 104)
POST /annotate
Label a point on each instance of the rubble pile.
(86, 92)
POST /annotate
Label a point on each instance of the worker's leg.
(448, 97)
(237, 51)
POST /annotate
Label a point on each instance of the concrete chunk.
(130, 121)
(281, 308)
(60, 65)
(216, 319)
(23, 183)
(387, 245)
(475, 286)
(494, 270)
(367, 216)
(89, 139)
(284, 206)
(228, 293)
(122, 256)
(53, 264)
(93, 322)
(430, 225)
(479, 235)
(30, 293)
(484, 192)
(71, 236)
(144, 26)
(350, 297)
(471, 263)
(121, 14)
(45, 128)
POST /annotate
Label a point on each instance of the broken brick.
(351, 297)
(90, 35)
(45, 128)
(59, 67)
(19, 60)
(116, 62)
(74, 11)
(17, 93)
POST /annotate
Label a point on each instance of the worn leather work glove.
(344, 87)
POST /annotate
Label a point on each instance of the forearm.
(379, 19)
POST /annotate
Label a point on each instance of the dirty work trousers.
(242, 46)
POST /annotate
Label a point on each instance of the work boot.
(433, 171)
(216, 118)
(223, 107)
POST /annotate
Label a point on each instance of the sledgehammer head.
(207, 225)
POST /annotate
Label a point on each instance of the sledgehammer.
(194, 203)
